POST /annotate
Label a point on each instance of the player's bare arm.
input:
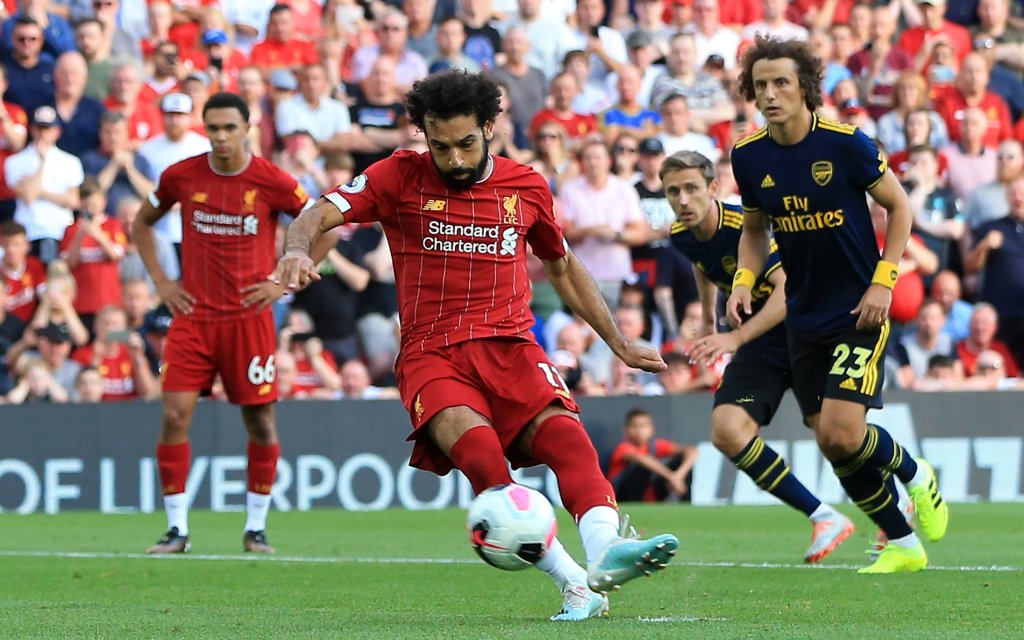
(707, 293)
(873, 308)
(750, 260)
(171, 293)
(296, 268)
(576, 287)
(771, 314)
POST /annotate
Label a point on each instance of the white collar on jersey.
(488, 171)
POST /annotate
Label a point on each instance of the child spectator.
(644, 468)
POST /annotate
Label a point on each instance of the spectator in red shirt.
(281, 48)
(13, 135)
(644, 468)
(982, 337)
(144, 119)
(93, 247)
(120, 357)
(919, 41)
(25, 275)
(564, 89)
(221, 60)
(166, 74)
(970, 90)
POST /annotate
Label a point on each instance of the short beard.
(466, 181)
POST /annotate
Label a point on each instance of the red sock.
(479, 455)
(262, 466)
(562, 443)
(173, 461)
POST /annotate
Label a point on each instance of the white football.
(510, 526)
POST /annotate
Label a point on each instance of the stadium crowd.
(99, 97)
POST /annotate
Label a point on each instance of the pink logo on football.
(520, 497)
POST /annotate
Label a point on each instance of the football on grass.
(510, 526)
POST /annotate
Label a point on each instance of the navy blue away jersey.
(716, 259)
(814, 193)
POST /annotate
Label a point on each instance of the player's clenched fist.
(294, 271)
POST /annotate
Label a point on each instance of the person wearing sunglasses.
(57, 35)
(29, 69)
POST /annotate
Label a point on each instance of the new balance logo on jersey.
(848, 385)
(509, 242)
(767, 182)
(250, 225)
(434, 205)
(199, 197)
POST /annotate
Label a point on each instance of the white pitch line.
(89, 555)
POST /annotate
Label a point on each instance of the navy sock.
(770, 472)
(870, 490)
(879, 450)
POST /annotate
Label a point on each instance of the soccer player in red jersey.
(222, 324)
(478, 388)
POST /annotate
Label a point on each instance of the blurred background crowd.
(100, 96)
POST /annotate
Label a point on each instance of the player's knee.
(175, 424)
(259, 423)
(837, 441)
(731, 435)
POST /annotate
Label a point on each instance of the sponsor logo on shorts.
(848, 385)
(745, 400)
(265, 389)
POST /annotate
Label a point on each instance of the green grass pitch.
(401, 574)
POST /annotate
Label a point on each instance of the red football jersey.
(117, 371)
(24, 287)
(228, 224)
(459, 255)
(97, 276)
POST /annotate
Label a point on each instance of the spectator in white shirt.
(313, 111)
(175, 144)
(45, 182)
(774, 23)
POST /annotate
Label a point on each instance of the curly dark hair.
(809, 67)
(452, 93)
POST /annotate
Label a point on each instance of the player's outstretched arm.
(297, 267)
(177, 299)
(772, 313)
(577, 288)
(873, 308)
(750, 260)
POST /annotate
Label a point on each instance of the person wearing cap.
(312, 110)
(222, 60)
(45, 181)
(655, 207)
(177, 142)
(78, 113)
(918, 41)
(52, 345)
(281, 49)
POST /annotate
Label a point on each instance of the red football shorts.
(509, 381)
(241, 351)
